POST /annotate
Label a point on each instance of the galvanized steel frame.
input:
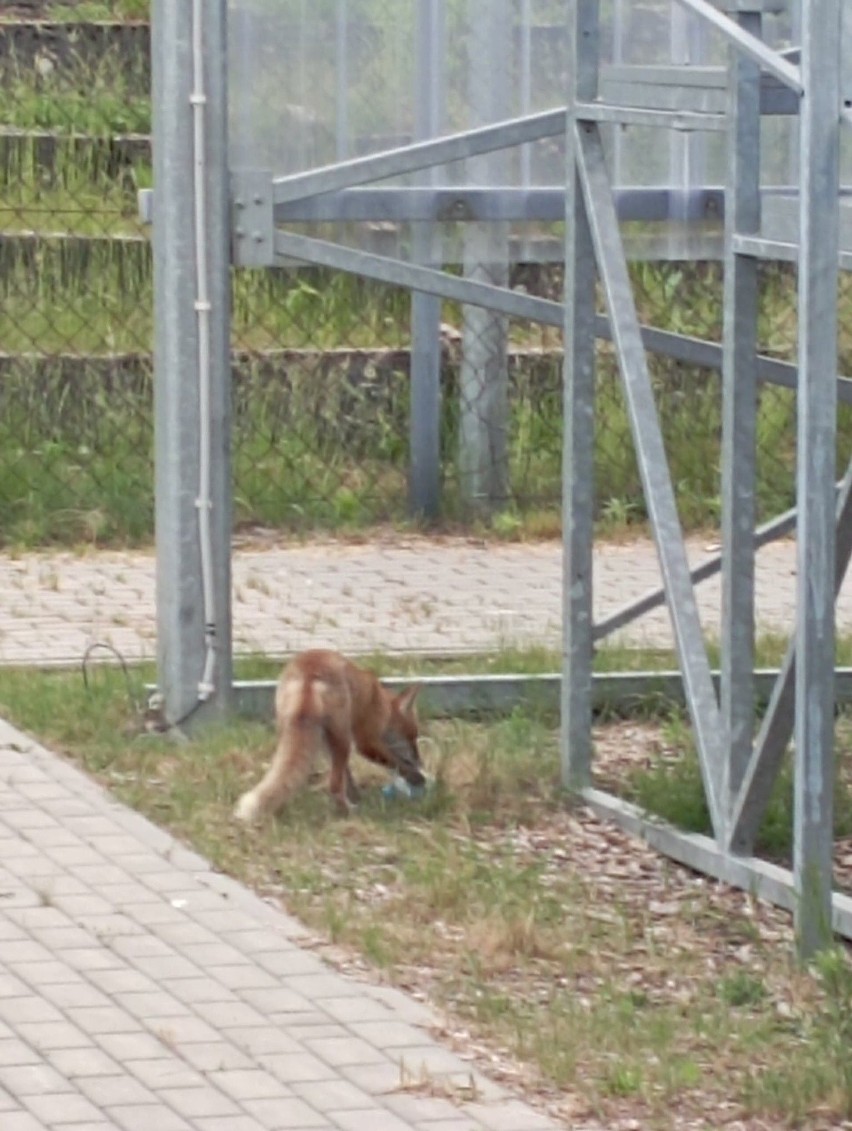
(737, 772)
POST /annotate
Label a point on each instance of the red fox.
(323, 701)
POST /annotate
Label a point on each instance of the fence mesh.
(321, 361)
(75, 371)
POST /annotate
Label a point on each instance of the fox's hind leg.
(289, 770)
(352, 790)
(340, 784)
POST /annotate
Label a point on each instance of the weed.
(742, 988)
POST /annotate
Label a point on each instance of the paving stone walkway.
(423, 595)
(141, 991)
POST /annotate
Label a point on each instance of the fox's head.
(401, 737)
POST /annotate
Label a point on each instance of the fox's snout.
(406, 758)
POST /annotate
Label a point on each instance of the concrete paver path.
(440, 596)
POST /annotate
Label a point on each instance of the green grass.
(86, 10)
(104, 109)
(526, 921)
(671, 788)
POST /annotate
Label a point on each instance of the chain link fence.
(75, 370)
(322, 361)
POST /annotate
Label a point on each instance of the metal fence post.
(578, 462)
(819, 234)
(191, 406)
(483, 377)
(424, 491)
(739, 415)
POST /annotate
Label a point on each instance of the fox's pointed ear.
(406, 699)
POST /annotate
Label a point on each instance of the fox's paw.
(248, 807)
(343, 806)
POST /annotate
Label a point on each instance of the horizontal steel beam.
(446, 696)
(694, 89)
(748, 873)
(681, 120)
(514, 303)
(755, 48)
(498, 203)
(421, 155)
(786, 252)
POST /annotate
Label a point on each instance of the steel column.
(192, 420)
(819, 234)
(739, 415)
(483, 373)
(578, 465)
(424, 484)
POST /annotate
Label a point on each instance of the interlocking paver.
(226, 1013)
(218, 1054)
(203, 1100)
(147, 1117)
(166, 1072)
(31, 1079)
(388, 1034)
(58, 1109)
(288, 1113)
(332, 1095)
(296, 1067)
(131, 1046)
(15, 1051)
(229, 1123)
(376, 1118)
(72, 1063)
(414, 1106)
(246, 1083)
(339, 1051)
(21, 1121)
(112, 1091)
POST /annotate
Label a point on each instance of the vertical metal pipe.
(817, 430)
(179, 426)
(341, 71)
(739, 417)
(618, 37)
(526, 85)
(679, 151)
(484, 379)
(424, 485)
(578, 417)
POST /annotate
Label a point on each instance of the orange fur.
(323, 701)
